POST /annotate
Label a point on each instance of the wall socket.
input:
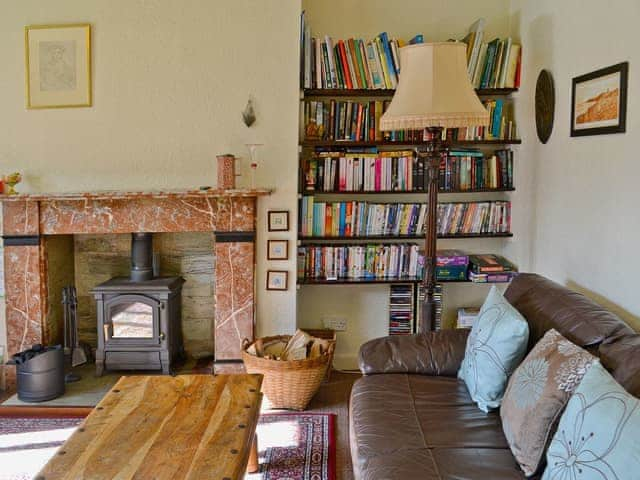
(335, 322)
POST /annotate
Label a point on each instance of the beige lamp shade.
(434, 90)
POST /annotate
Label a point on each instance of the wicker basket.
(288, 384)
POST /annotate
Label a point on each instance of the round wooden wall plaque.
(545, 105)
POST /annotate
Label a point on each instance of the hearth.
(139, 318)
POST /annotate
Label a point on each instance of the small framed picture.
(277, 280)
(58, 65)
(599, 101)
(277, 249)
(278, 220)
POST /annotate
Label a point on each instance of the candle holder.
(11, 181)
(253, 155)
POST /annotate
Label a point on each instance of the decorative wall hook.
(248, 114)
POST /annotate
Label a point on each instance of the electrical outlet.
(335, 322)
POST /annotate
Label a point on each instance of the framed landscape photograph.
(277, 249)
(277, 280)
(58, 65)
(278, 221)
(599, 101)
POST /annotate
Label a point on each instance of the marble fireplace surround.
(29, 218)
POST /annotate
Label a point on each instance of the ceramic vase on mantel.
(226, 172)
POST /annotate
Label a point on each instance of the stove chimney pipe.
(141, 257)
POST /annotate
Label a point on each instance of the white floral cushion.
(537, 393)
(496, 345)
(598, 437)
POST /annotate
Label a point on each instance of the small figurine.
(11, 181)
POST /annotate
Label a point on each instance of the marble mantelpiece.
(28, 218)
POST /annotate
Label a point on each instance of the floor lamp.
(434, 92)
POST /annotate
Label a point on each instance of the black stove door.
(132, 320)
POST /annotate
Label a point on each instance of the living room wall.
(170, 80)
(586, 199)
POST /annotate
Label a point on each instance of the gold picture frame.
(58, 66)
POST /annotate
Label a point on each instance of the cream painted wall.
(586, 188)
(366, 307)
(170, 79)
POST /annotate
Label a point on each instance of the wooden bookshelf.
(352, 144)
(314, 193)
(370, 92)
(317, 239)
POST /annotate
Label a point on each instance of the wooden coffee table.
(161, 427)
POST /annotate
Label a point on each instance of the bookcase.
(322, 145)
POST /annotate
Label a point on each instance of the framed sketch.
(599, 101)
(58, 66)
(278, 221)
(277, 280)
(277, 249)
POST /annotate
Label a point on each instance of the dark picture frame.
(596, 108)
(277, 280)
(272, 252)
(278, 220)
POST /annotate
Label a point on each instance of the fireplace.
(36, 224)
(139, 318)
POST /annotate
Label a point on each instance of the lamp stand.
(433, 155)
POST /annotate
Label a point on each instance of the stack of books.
(364, 219)
(360, 219)
(501, 124)
(490, 268)
(353, 63)
(438, 298)
(494, 64)
(474, 218)
(366, 262)
(401, 309)
(343, 120)
(399, 171)
(471, 170)
(451, 265)
(467, 317)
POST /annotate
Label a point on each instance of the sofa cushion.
(537, 393)
(495, 347)
(405, 424)
(599, 432)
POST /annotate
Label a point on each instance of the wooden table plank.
(161, 427)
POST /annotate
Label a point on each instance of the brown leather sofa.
(411, 418)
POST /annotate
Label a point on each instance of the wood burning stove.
(139, 318)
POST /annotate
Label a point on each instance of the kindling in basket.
(293, 366)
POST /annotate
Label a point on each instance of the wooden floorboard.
(333, 397)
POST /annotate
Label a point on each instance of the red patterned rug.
(292, 446)
(296, 446)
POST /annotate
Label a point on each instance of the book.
(451, 258)
(490, 263)
(451, 272)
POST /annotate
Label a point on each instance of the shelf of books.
(402, 171)
(345, 160)
(395, 263)
(370, 92)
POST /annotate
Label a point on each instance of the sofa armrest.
(434, 353)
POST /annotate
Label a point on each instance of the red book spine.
(345, 65)
(359, 123)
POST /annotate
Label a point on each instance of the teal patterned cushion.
(495, 347)
(598, 437)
